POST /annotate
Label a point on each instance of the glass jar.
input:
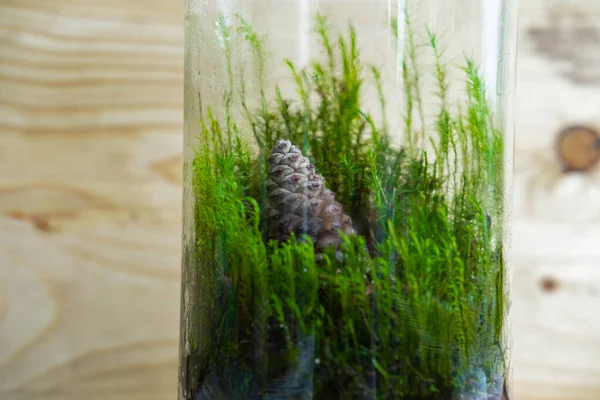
(347, 179)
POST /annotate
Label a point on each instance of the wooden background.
(90, 183)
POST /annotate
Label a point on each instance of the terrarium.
(347, 179)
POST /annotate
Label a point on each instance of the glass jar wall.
(346, 199)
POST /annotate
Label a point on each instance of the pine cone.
(300, 203)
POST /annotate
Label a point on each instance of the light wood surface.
(90, 183)
(556, 281)
(90, 155)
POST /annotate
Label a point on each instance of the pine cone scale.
(296, 183)
(281, 172)
(278, 196)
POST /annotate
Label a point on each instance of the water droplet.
(305, 269)
(317, 361)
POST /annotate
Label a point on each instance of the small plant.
(331, 264)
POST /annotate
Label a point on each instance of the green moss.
(417, 300)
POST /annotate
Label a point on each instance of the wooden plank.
(90, 191)
(556, 286)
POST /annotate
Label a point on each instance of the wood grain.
(90, 193)
(556, 279)
(90, 154)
